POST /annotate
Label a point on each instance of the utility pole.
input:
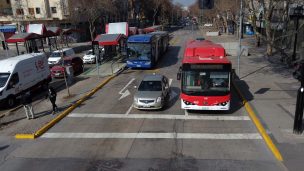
(298, 120)
(240, 38)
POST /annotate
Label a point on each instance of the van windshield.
(3, 79)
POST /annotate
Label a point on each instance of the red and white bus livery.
(205, 77)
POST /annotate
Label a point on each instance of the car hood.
(53, 59)
(148, 94)
(57, 68)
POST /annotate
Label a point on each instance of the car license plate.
(57, 74)
(146, 105)
(138, 66)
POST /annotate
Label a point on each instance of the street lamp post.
(260, 29)
(297, 13)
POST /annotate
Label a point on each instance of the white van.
(55, 57)
(22, 73)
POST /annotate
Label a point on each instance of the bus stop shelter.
(112, 43)
(26, 38)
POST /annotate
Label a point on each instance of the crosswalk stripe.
(159, 116)
(172, 135)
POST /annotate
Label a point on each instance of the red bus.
(205, 77)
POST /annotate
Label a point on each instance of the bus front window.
(139, 51)
(206, 83)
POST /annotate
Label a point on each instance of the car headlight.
(135, 100)
(130, 63)
(159, 99)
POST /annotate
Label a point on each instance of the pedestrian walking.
(52, 96)
(26, 100)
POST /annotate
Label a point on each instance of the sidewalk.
(270, 88)
(16, 122)
(107, 68)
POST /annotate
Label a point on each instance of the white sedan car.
(89, 58)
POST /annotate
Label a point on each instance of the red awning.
(56, 30)
(109, 39)
(22, 37)
(70, 31)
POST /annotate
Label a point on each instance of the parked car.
(20, 74)
(89, 58)
(55, 57)
(152, 93)
(57, 71)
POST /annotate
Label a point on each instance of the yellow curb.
(63, 114)
(259, 126)
(25, 136)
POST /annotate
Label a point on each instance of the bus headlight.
(188, 103)
(222, 104)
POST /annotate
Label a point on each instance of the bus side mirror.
(178, 76)
(179, 73)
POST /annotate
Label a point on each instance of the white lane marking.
(158, 116)
(126, 93)
(173, 135)
(186, 113)
(129, 110)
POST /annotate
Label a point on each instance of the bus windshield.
(206, 82)
(3, 79)
(139, 51)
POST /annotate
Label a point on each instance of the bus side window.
(13, 81)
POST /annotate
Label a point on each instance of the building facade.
(34, 11)
(6, 12)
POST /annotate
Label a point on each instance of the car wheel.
(11, 101)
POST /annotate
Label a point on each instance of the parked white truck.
(22, 73)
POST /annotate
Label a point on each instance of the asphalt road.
(106, 133)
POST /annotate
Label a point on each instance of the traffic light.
(206, 4)
(297, 73)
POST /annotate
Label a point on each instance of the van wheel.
(11, 101)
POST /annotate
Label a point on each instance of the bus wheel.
(11, 101)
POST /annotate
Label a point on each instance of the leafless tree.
(91, 11)
(275, 18)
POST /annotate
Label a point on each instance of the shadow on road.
(169, 58)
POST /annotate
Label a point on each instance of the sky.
(185, 2)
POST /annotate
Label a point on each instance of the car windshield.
(3, 79)
(55, 55)
(139, 51)
(89, 52)
(150, 86)
(208, 82)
